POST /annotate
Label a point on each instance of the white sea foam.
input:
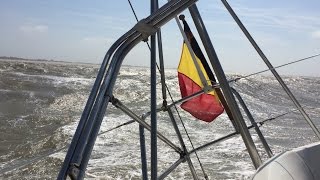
(116, 154)
(59, 80)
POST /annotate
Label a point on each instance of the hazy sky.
(83, 30)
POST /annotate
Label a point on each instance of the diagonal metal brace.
(117, 103)
(145, 29)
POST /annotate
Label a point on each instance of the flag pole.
(253, 152)
(193, 56)
(213, 82)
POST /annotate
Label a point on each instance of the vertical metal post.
(272, 69)
(144, 168)
(225, 86)
(153, 71)
(80, 150)
(164, 96)
(253, 123)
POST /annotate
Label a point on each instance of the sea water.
(41, 104)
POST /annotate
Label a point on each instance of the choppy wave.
(41, 104)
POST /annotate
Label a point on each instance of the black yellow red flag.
(207, 106)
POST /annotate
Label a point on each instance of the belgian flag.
(205, 107)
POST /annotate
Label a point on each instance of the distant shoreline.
(51, 61)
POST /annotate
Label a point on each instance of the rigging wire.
(217, 85)
(9, 169)
(204, 83)
(276, 67)
(259, 123)
(234, 80)
(47, 154)
(171, 97)
(137, 19)
(132, 9)
(283, 114)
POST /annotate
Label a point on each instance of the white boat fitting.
(301, 163)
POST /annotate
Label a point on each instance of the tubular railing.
(80, 149)
(87, 130)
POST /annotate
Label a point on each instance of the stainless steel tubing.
(185, 150)
(186, 98)
(225, 86)
(135, 117)
(153, 100)
(253, 123)
(85, 115)
(87, 130)
(95, 111)
(213, 142)
(103, 100)
(171, 168)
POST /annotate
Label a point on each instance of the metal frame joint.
(145, 29)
